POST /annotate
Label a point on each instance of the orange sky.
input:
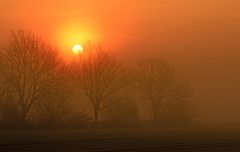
(201, 37)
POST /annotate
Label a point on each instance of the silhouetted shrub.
(79, 120)
(120, 109)
(181, 113)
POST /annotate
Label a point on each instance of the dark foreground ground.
(134, 140)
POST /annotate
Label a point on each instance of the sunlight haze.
(201, 38)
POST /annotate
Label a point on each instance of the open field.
(120, 140)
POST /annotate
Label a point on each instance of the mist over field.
(200, 38)
(132, 75)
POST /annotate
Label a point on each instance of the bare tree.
(157, 82)
(99, 75)
(30, 68)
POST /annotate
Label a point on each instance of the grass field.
(120, 140)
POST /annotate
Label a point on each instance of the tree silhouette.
(99, 75)
(30, 69)
(157, 82)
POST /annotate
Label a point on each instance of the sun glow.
(71, 37)
(77, 49)
(70, 34)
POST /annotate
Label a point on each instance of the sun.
(77, 49)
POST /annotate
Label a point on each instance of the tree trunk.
(96, 114)
(155, 116)
(154, 111)
(23, 117)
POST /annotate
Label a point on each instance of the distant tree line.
(37, 86)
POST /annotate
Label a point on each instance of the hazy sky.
(200, 37)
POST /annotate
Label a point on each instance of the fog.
(119, 75)
(199, 38)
